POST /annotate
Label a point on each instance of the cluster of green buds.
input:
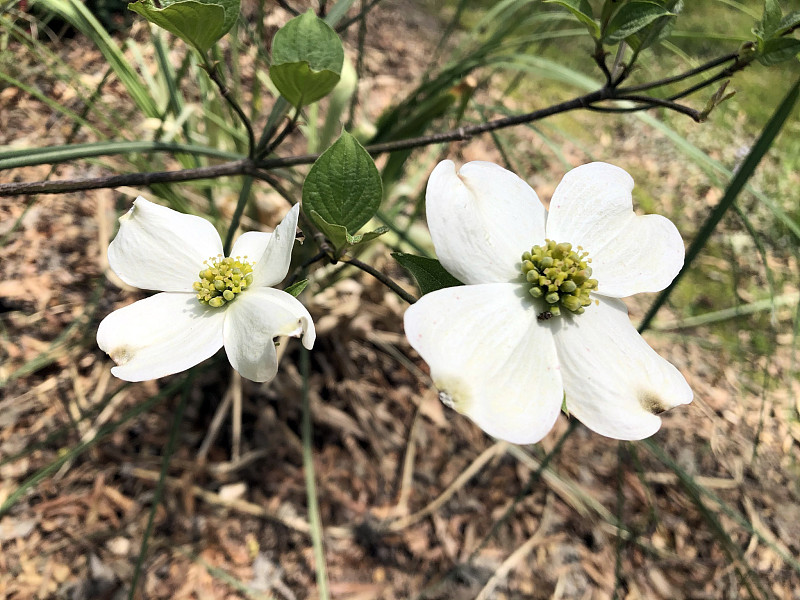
(222, 280)
(560, 276)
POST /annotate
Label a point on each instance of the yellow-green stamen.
(222, 280)
(560, 276)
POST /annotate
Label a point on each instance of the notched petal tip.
(302, 328)
(122, 355)
(454, 393)
(652, 403)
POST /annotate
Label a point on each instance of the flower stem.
(380, 277)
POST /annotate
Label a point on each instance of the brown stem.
(225, 92)
(380, 277)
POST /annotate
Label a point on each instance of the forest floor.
(416, 501)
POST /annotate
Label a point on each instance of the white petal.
(481, 220)
(273, 264)
(490, 358)
(251, 245)
(592, 207)
(158, 248)
(614, 382)
(160, 335)
(253, 320)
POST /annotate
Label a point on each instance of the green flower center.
(222, 280)
(560, 276)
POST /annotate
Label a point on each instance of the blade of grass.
(745, 573)
(169, 450)
(82, 447)
(314, 519)
(734, 514)
(62, 431)
(26, 157)
(81, 18)
(728, 313)
(52, 104)
(748, 167)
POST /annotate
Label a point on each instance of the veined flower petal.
(592, 207)
(160, 335)
(158, 248)
(615, 383)
(273, 264)
(254, 320)
(481, 220)
(490, 358)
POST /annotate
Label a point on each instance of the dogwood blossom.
(207, 301)
(539, 321)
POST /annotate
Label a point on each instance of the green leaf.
(297, 288)
(582, 10)
(199, 23)
(307, 58)
(338, 235)
(771, 19)
(630, 18)
(429, 272)
(789, 23)
(362, 238)
(344, 186)
(657, 30)
(777, 50)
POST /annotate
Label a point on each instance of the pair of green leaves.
(641, 23)
(773, 34)
(307, 55)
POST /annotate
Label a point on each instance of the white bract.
(539, 320)
(207, 301)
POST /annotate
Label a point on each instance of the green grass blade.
(75, 452)
(748, 167)
(311, 487)
(52, 104)
(26, 157)
(169, 450)
(81, 18)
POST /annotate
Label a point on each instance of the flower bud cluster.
(222, 280)
(560, 276)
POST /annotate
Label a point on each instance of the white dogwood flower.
(535, 324)
(206, 302)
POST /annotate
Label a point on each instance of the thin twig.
(213, 72)
(237, 167)
(287, 129)
(380, 277)
(285, 6)
(342, 26)
(256, 168)
(691, 73)
(648, 102)
(496, 449)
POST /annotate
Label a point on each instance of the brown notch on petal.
(121, 355)
(652, 403)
